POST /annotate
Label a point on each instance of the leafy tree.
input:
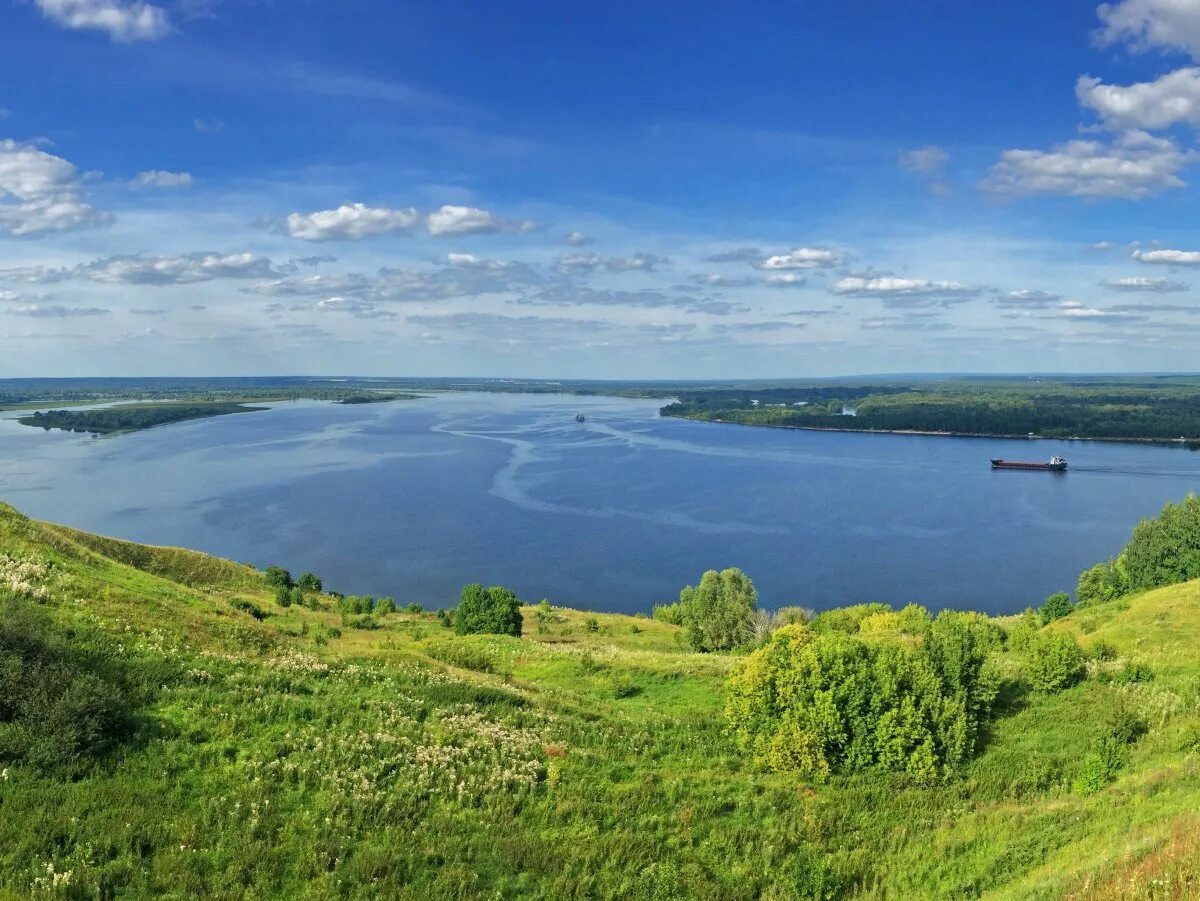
(717, 613)
(846, 619)
(494, 610)
(277, 576)
(668, 613)
(1102, 583)
(385, 606)
(1057, 606)
(1053, 662)
(414, 607)
(283, 596)
(446, 617)
(1165, 550)
(309, 582)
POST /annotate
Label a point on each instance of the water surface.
(413, 499)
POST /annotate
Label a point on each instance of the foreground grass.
(298, 757)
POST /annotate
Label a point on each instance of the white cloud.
(1142, 283)
(639, 262)
(180, 270)
(349, 222)
(577, 238)
(785, 280)
(461, 220)
(209, 126)
(122, 21)
(903, 287)
(156, 178)
(1027, 298)
(927, 160)
(40, 192)
(1133, 166)
(1167, 101)
(1168, 257)
(578, 262)
(1075, 310)
(1171, 24)
(803, 258)
(53, 311)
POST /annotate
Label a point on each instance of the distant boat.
(1056, 464)
(580, 418)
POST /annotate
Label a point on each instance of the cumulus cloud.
(349, 222)
(156, 178)
(121, 21)
(359, 309)
(901, 288)
(1133, 166)
(717, 280)
(35, 275)
(639, 262)
(1072, 309)
(1168, 257)
(929, 160)
(1169, 24)
(41, 193)
(803, 258)
(577, 238)
(578, 262)
(181, 270)
(1169, 100)
(1142, 283)
(461, 220)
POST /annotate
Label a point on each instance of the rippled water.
(414, 499)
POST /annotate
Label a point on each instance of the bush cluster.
(717, 614)
(823, 702)
(494, 610)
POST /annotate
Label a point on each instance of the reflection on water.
(416, 498)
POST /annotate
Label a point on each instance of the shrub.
(283, 596)
(1102, 583)
(493, 610)
(591, 624)
(414, 607)
(385, 606)
(668, 613)
(1057, 606)
(822, 703)
(846, 619)
(1053, 662)
(248, 607)
(59, 708)
(463, 655)
(717, 613)
(446, 617)
(1100, 767)
(309, 582)
(360, 621)
(277, 577)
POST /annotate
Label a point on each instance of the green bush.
(277, 577)
(494, 610)
(414, 607)
(385, 606)
(846, 619)
(1053, 662)
(1165, 550)
(248, 607)
(309, 582)
(591, 624)
(464, 655)
(1102, 583)
(1057, 606)
(1100, 767)
(283, 596)
(818, 703)
(717, 613)
(668, 613)
(59, 707)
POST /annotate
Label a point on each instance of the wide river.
(414, 499)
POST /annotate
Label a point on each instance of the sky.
(621, 190)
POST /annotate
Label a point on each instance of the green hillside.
(168, 728)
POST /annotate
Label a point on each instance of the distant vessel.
(1056, 464)
(580, 418)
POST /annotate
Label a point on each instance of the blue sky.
(597, 190)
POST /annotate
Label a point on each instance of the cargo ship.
(1056, 464)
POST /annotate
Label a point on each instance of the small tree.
(309, 582)
(717, 613)
(1053, 662)
(278, 576)
(494, 610)
(1057, 606)
(283, 596)
(385, 606)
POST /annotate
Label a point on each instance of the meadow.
(295, 750)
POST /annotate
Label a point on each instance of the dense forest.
(1147, 411)
(130, 418)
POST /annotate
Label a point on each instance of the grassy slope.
(277, 760)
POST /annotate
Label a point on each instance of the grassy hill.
(283, 752)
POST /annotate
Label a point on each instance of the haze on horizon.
(206, 187)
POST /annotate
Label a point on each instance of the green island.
(132, 417)
(172, 724)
